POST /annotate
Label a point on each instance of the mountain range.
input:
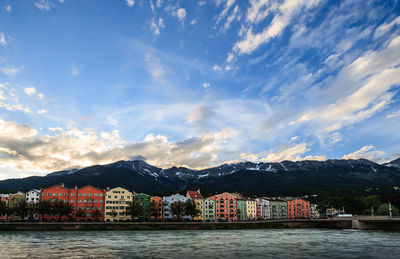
(282, 178)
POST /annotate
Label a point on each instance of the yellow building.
(251, 209)
(13, 201)
(199, 200)
(116, 202)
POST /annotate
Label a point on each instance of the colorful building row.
(93, 204)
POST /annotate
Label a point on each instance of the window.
(95, 195)
(54, 194)
(101, 195)
(79, 194)
(43, 194)
(90, 195)
(72, 194)
(85, 194)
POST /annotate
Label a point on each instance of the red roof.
(194, 195)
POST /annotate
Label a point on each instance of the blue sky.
(196, 83)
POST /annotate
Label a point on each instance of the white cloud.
(224, 13)
(9, 71)
(41, 96)
(8, 8)
(359, 91)
(155, 27)
(217, 68)
(366, 152)
(42, 111)
(30, 90)
(284, 13)
(386, 27)
(393, 115)
(201, 3)
(194, 21)
(43, 5)
(2, 39)
(206, 85)
(130, 3)
(154, 67)
(181, 14)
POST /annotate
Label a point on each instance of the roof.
(194, 195)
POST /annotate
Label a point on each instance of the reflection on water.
(297, 243)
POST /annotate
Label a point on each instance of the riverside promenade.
(362, 223)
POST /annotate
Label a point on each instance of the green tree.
(371, 201)
(383, 209)
(32, 210)
(44, 207)
(134, 210)
(62, 208)
(191, 208)
(80, 214)
(3, 208)
(177, 209)
(21, 209)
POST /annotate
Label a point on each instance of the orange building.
(298, 209)
(156, 208)
(88, 199)
(225, 207)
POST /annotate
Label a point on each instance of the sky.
(196, 83)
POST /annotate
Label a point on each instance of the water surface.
(295, 243)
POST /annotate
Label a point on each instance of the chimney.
(76, 187)
(108, 188)
(198, 190)
(62, 185)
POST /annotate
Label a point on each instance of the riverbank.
(107, 226)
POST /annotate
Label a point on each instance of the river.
(275, 243)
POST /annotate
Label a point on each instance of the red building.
(298, 209)
(4, 198)
(258, 204)
(225, 207)
(156, 208)
(88, 199)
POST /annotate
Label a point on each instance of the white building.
(167, 201)
(32, 198)
(314, 211)
(265, 208)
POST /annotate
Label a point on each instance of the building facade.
(4, 199)
(264, 208)
(32, 198)
(251, 209)
(88, 199)
(156, 208)
(167, 201)
(13, 201)
(225, 207)
(199, 201)
(278, 208)
(143, 201)
(314, 213)
(241, 209)
(117, 200)
(298, 209)
(209, 210)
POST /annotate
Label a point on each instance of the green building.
(143, 201)
(209, 210)
(241, 209)
(278, 208)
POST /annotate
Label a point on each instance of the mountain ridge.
(332, 174)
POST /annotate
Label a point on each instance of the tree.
(191, 208)
(96, 214)
(3, 208)
(32, 210)
(383, 209)
(80, 213)
(44, 207)
(371, 201)
(62, 208)
(177, 209)
(134, 210)
(21, 209)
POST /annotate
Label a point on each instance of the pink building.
(298, 209)
(225, 207)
